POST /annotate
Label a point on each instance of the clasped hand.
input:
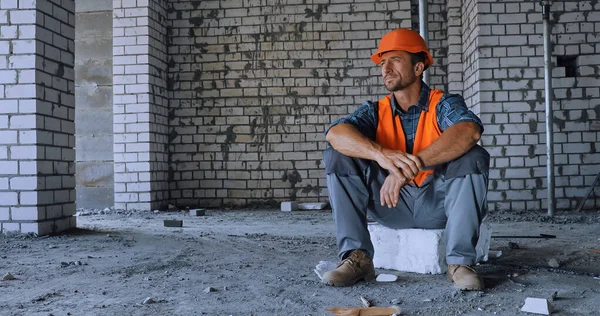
(403, 168)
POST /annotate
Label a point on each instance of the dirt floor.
(260, 262)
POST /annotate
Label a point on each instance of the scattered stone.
(427, 300)
(383, 277)
(78, 263)
(494, 253)
(537, 306)
(513, 245)
(365, 302)
(289, 206)
(171, 207)
(313, 206)
(148, 300)
(396, 301)
(107, 210)
(209, 289)
(553, 263)
(553, 297)
(7, 277)
(52, 247)
(173, 223)
(198, 212)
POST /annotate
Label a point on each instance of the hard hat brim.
(376, 58)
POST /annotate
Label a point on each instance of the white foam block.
(417, 250)
(289, 206)
(537, 306)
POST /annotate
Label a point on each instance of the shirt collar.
(422, 103)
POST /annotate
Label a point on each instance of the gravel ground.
(260, 262)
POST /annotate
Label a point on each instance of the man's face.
(398, 71)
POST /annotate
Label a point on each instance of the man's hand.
(399, 163)
(390, 190)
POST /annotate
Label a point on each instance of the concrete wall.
(94, 110)
(255, 83)
(37, 112)
(511, 93)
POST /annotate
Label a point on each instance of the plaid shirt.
(450, 110)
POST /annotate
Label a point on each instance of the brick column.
(37, 110)
(140, 104)
(455, 47)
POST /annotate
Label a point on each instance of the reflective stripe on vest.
(391, 136)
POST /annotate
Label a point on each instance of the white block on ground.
(537, 306)
(289, 206)
(417, 250)
(313, 206)
(410, 250)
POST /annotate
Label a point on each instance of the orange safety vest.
(391, 136)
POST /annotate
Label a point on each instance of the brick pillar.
(140, 104)
(37, 110)
(455, 47)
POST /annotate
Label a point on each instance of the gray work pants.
(453, 198)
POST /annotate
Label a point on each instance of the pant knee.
(338, 163)
(475, 161)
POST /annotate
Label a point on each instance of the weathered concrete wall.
(254, 85)
(511, 93)
(94, 110)
(37, 111)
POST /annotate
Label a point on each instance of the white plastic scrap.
(324, 266)
(386, 278)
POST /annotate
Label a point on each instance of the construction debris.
(313, 206)
(289, 206)
(148, 300)
(386, 278)
(173, 223)
(324, 266)
(537, 306)
(209, 289)
(520, 236)
(8, 277)
(494, 253)
(198, 212)
(365, 311)
(365, 302)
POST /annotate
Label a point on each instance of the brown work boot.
(357, 266)
(465, 277)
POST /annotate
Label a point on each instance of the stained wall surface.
(94, 110)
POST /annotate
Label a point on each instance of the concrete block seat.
(417, 250)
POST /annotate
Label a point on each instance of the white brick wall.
(140, 104)
(254, 86)
(37, 90)
(511, 82)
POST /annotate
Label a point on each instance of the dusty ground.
(261, 263)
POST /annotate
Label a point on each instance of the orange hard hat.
(402, 39)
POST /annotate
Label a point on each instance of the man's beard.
(399, 85)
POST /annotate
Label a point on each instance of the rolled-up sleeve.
(363, 119)
(452, 109)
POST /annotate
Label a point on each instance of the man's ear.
(419, 68)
